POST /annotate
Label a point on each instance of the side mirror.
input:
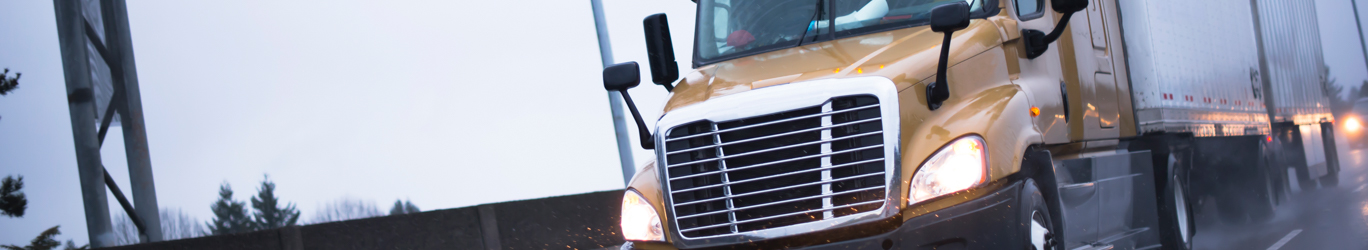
(664, 69)
(950, 17)
(1037, 42)
(621, 76)
(947, 19)
(1068, 6)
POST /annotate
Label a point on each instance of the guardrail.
(580, 221)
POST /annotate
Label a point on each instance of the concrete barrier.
(580, 221)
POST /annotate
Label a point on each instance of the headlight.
(958, 166)
(1352, 124)
(639, 219)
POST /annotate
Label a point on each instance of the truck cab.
(909, 124)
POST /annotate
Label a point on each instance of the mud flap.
(1332, 166)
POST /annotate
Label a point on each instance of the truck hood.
(906, 56)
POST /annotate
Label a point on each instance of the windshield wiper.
(812, 24)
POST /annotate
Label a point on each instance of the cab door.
(1039, 76)
(1053, 86)
(1095, 68)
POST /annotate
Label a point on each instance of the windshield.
(734, 27)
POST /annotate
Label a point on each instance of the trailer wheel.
(1263, 207)
(1039, 227)
(1177, 212)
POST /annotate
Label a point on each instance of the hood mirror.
(621, 77)
(950, 17)
(947, 19)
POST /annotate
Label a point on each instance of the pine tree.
(12, 200)
(1338, 104)
(403, 207)
(229, 216)
(8, 84)
(410, 208)
(269, 214)
(398, 208)
(1361, 93)
(44, 241)
(71, 245)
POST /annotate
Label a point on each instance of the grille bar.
(772, 176)
(772, 163)
(776, 148)
(757, 165)
(776, 189)
(783, 215)
(768, 123)
(779, 135)
(726, 191)
(776, 170)
(783, 201)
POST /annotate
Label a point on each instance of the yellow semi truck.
(975, 124)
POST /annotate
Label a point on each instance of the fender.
(996, 113)
(646, 183)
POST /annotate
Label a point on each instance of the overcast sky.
(445, 103)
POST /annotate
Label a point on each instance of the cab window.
(1029, 9)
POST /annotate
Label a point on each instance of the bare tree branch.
(175, 224)
(346, 208)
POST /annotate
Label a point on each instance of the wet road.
(1326, 218)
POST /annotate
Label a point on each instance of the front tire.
(1036, 224)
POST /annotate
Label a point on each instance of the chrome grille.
(768, 171)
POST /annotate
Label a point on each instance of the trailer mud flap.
(1108, 201)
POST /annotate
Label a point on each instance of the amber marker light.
(1035, 111)
(1352, 125)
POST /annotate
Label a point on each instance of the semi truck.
(975, 124)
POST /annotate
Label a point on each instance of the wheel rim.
(1180, 204)
(1039, 231)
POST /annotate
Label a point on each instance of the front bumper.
(988, 222)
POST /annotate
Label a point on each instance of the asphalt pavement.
(1322, 218)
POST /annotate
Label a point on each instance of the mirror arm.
(1038, 42)
(1059, 29)
(647, 141)
(938, 91)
